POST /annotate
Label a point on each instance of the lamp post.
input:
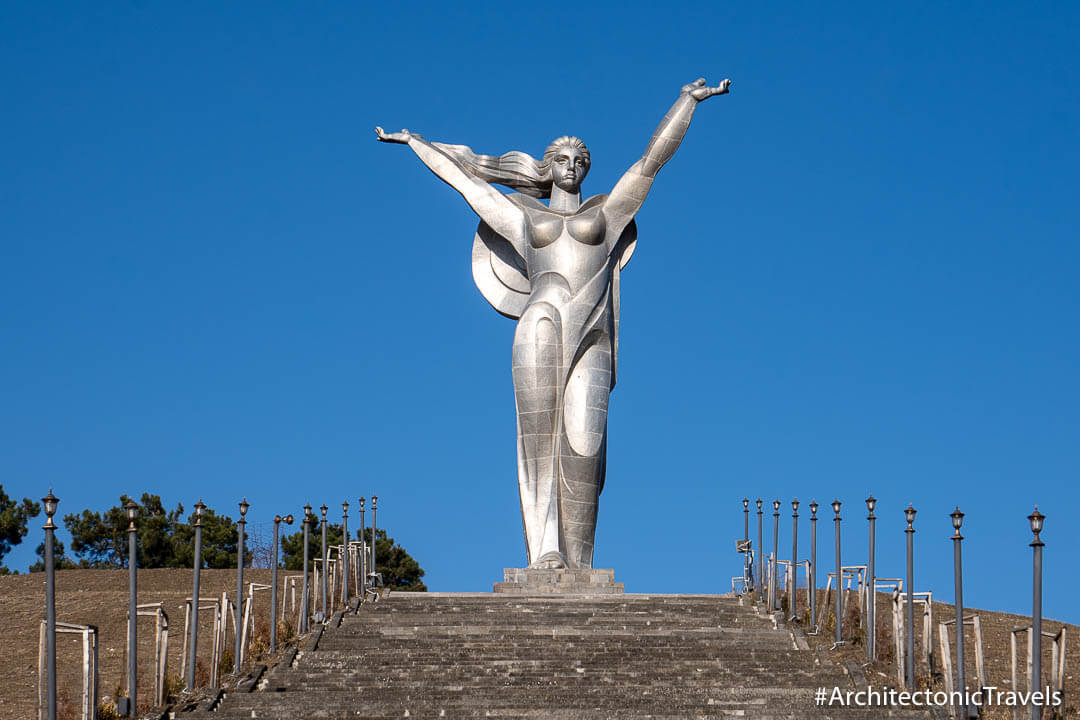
(812, 590)
(194, 634)
(363, 555)
(308, 519)
(50, 502)
(345, 552)
(794, 558)
(1036, 519)
(241, 530)
(374, 567)
(273, 581)
(132, 510)
(958, 601)
(909, 661)
(871, 584)
(773, 554)
(325, 563)
(747, 569)
(839, 578)
(761, 553)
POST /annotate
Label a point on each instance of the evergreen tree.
(100, 540)
(218, 541)
(292, 545)
(60, 560)
(14, 518)
(399, 570)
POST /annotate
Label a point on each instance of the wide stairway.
(618, 656)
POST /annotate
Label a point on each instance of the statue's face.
(568, 168)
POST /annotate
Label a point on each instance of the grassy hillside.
(100, 597)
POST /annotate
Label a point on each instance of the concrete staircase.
(568, 657)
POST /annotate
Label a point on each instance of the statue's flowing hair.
(517, 170)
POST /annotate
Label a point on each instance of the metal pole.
(761, 554)
(239, 621)
(1036, 519)
(958, 602)
(273, 588)
(772, 555)
(747, 569)
(812, 590)
(909, 661)
(345, 552)
(194, 630)
(50, 501)
(273, 581)
(374, 536)
(839, 579)
(304, 614)
(871, 585)
(325, 563)
(793, 602)
(132, 610)
(363, 555)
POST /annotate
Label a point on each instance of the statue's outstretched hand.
(399, 137)
(699, 91)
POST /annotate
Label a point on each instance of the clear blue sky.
(857, 275)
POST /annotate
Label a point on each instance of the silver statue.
(555, 268)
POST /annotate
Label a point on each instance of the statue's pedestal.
(577, 581)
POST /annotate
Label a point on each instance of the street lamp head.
(50, 502)
(324, 509)
(307, 512)
(1036, 519)
(199, 507)
(776, 506)
(132, 510)
(957, 518)
(374, 499)
(759, 506)
(243, 508)
(361, 504)
(288, 519)
(909, 514)
(813, 509)
(957, 521)
(745, 503)
(836, 507)
(795, 505)
(345, 507)
(871, 502)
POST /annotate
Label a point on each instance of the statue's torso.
(565, 248)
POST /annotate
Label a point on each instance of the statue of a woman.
(555, 268)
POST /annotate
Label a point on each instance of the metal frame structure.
(958, 711)
(161, 644)
(1057, 658)
(90, 667)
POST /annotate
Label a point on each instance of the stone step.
(509, 656)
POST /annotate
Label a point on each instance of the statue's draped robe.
(586, 319)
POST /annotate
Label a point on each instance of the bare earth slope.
(99, 597)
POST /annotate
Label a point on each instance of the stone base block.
(575, 581)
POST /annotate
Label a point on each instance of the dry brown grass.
(996, 631)
(99, 597)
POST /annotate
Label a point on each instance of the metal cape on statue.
(555, 269)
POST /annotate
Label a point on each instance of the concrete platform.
(566, 581)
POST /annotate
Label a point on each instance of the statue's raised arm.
(629, 193)
(556, 269)
(503, 216)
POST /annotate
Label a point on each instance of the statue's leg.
(582, 454)
(536, 371)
